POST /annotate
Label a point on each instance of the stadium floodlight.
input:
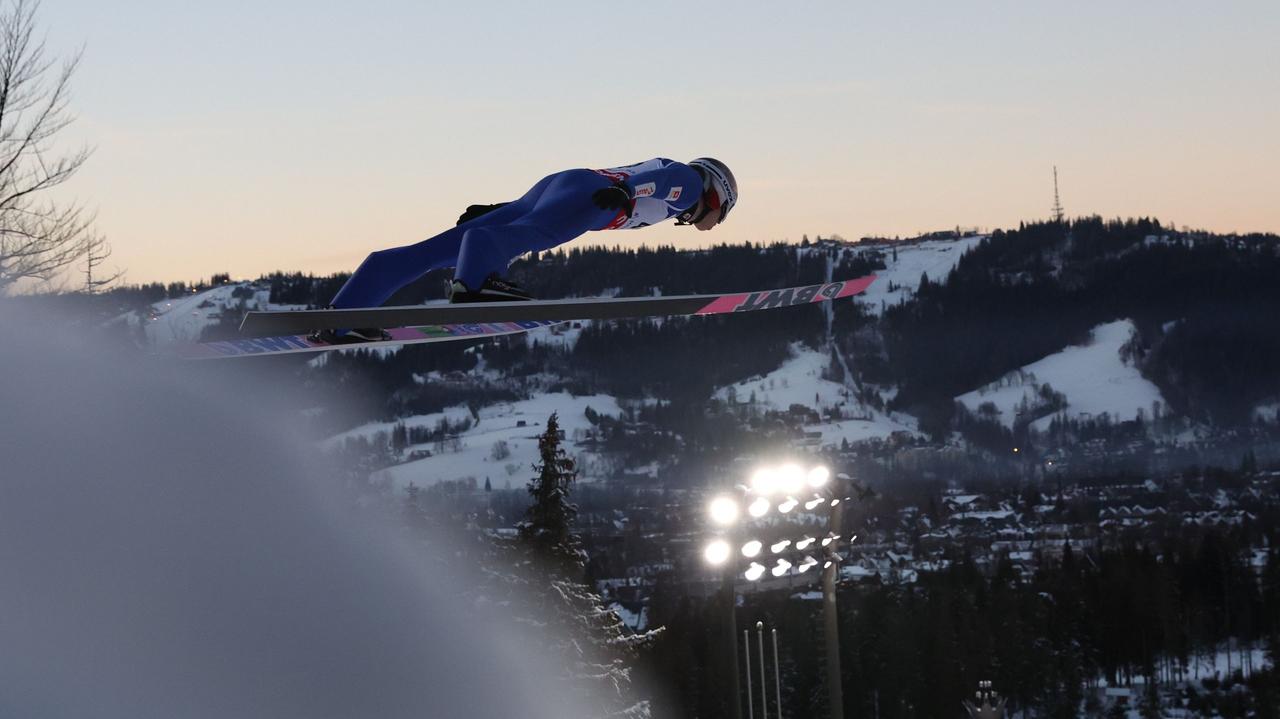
(804, 543)
(723, 511)
(754, 572)
(764, 482)
(818, 476)
(777, 547)
(791, 479)
(788, 505)
(807, 564)
(759, 507)
(717, 552)
(781, 568)
(752, 548)
(835, 502)
(811, 504)
(826, 541)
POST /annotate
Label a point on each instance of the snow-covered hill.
(501, 445)
(799, 381)
(183, 319)
(1094, 377)
(901, 276)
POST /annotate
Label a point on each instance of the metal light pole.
(724, 512)
(777, 679)
(764, 683)
(746, 648)
(731, 627)
(830, 619)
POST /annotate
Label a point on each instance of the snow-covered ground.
(935, 258)
(858, 430)
(182, 319)
(1267, 412)
(472, 455)
(1094, 378)
(799, 381)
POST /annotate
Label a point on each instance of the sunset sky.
(248, 136)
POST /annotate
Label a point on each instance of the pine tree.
(546, 528)
(596, 649)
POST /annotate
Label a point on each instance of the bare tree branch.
(39, 239)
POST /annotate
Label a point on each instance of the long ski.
(601, 308)
(447, 323)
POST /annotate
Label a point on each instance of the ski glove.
(474, 211)
(614, 197)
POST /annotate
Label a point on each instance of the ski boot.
(349, 337)
(494, 289)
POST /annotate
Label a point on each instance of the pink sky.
(247, 137)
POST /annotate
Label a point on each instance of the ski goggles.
(710, 203)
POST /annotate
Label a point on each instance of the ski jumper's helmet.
(719, 189)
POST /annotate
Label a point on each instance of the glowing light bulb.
(819, 476)
(759, 508)
(764, 481)
(717, 552)
(792, 478)
(752, 548)
(723, 510)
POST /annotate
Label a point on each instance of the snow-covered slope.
(473, 454)
(799, 381)
(1094, 378)
(1267, 412)
(182, 319)
(935, 258)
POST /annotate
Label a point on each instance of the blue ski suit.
(555, 210)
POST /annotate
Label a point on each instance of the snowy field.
(936, 258)
(799, 381)
(857, 430)
(473, 454)
(1269, 412)
(182, 319)
(1094, 378)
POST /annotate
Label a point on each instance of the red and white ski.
(447, 322)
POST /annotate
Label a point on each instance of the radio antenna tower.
(1057, 204)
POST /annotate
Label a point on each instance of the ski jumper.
(554, 211)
